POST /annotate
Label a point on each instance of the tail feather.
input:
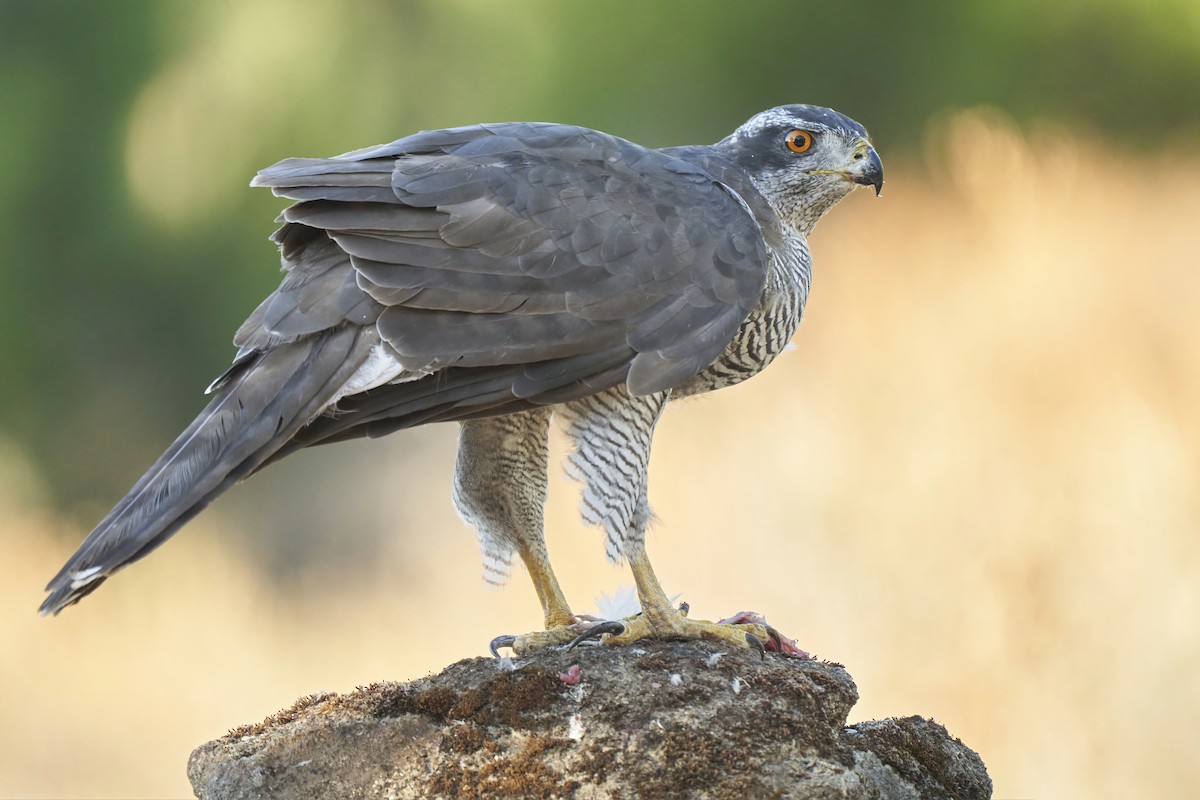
(255, 414)
(456, 394)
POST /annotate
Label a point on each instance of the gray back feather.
(522, 243)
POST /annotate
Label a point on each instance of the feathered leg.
(500, 488)
(612, 433)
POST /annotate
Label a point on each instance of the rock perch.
(663, 720)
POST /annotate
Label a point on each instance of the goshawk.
(498, 275)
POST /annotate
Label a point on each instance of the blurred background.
(974, 482)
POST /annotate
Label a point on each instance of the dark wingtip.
(64, 594)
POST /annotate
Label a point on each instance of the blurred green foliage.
(132, 247)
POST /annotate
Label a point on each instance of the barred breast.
(769, 327)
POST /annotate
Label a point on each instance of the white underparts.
(380, 367)
(497, 564)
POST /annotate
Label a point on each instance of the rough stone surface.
(661, 720)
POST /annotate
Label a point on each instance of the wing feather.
(501, 267)
(582, 258)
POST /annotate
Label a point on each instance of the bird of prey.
(499, 275)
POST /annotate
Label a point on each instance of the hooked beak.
(867, 169)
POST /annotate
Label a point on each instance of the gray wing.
(561, 258)
(490, 268)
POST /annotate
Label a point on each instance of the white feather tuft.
(620, 604)
(575, 728)
(85, 576)
(380, 367)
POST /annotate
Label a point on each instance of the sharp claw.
(500, 641)
(613, 627)
(775, 637)
(757, 644)
(684, 608)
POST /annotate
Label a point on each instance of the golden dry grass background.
(974, 482)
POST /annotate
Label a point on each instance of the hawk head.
(804, 159)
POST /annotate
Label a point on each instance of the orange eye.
(799, 141)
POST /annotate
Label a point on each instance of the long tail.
(255, 413)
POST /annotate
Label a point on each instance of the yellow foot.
(675, 626)
(553, 636)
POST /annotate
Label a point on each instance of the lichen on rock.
(656, 720)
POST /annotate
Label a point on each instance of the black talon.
(775, 637)
(612, 626)
(684, 608)
(500, 641)
(757, 644)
